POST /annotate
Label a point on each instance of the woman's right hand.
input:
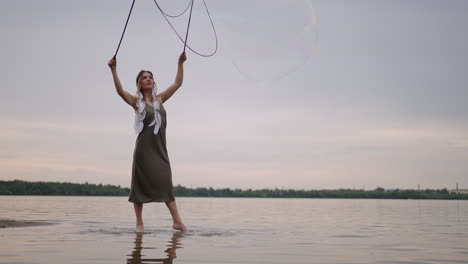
(112, 63)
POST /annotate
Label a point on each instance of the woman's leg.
(177, 221)
(138, 213)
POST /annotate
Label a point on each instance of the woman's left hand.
(182, 58)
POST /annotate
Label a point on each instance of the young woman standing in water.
(151, 172)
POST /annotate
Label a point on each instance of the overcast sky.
(301, 94)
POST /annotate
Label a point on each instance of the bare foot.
(180, 227)
(140, 228)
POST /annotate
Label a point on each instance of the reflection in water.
(136, 256)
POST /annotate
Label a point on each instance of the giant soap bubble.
(267, 40)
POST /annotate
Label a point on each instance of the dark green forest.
(58, 188)
(18, 187)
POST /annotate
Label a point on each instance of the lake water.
(236, 230)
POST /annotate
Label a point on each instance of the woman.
(151, 173)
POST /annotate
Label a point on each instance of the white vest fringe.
(140, 113)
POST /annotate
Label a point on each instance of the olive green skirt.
(151, 170)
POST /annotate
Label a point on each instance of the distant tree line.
(55, 188)
(379, 193)
(18, 187)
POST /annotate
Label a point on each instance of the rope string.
(188, 26)
(123, 33)
(182, 40)
(165, 15)
(183, 12)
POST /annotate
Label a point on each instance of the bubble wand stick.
(188, 25)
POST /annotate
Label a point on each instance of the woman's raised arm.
(164, 96)
(126, 96)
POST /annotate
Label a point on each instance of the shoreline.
(10, 223)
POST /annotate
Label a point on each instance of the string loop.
(165, 15)
(188, 46)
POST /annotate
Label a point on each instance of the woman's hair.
(138, 79)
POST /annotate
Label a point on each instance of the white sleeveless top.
(140, 113)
